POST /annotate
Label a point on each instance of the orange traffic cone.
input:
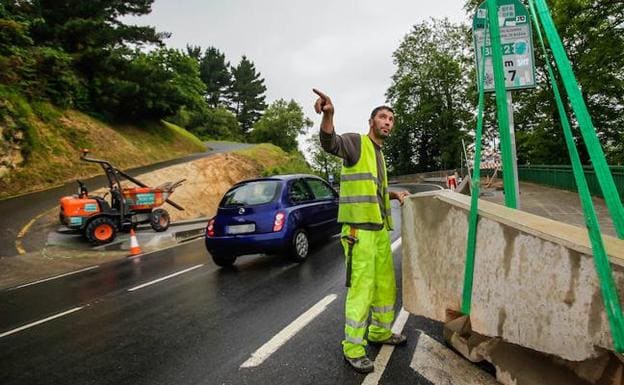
(135, 249)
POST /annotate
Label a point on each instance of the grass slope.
(55, 137)
(272, 160)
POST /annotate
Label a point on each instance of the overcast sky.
(343, 47)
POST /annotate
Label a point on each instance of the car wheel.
(223, 260)
(159, 220)
(101, 230)
(299, 246)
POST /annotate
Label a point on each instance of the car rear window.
(252, 193)
(320, 189)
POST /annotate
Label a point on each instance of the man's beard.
(381, 134)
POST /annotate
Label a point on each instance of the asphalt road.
(198, 327)
(18, 211)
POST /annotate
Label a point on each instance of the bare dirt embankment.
(207, 179)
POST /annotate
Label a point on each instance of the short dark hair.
(380, 108)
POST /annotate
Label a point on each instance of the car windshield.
(252, 193)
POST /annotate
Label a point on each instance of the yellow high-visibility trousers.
(372, 291)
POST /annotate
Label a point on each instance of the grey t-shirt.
(349, 148)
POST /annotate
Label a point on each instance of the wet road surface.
(197, 327)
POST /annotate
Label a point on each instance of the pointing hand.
(323, 104)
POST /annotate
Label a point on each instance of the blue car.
(281, 214)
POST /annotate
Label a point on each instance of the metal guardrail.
(560, 176)
(415, 178)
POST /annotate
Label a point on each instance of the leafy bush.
(216, 123)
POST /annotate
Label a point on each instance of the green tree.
(82, 27)
(40, 72)
(209, 123)
(86, 41)
(214, 72)
(246, 94)
(429, 93)
(281, 123)
(194, 51)
(322, 162)
(222, 124)
(153, 85)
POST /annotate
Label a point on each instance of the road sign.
(516, 42)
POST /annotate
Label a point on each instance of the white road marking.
(440, 365)
(40, 321)
(381, 361)
(164, 278)
(287, 333)
(396, 244)
(54, 277)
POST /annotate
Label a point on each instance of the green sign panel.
(516, 41)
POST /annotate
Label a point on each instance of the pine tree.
(214, 72)
(246, 94)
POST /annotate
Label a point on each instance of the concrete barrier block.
(535, 283)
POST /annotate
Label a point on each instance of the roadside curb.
(178, 232)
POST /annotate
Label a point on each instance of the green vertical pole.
(475, 183)
(609, 293)
(603, 174)
(501, 106)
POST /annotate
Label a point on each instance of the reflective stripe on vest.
(360, 199)
(359, 202)
(360, 176)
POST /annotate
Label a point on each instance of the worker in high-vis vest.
(365, 215)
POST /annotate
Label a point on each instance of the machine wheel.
(159, 219)
(223, 260)
(299, 246)
(101, 230)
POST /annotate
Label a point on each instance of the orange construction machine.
(100, 218)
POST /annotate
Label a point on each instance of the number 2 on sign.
(508, 49)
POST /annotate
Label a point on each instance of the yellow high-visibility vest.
(358, 190)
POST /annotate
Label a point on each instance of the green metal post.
(475, 183)
(509, 176)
